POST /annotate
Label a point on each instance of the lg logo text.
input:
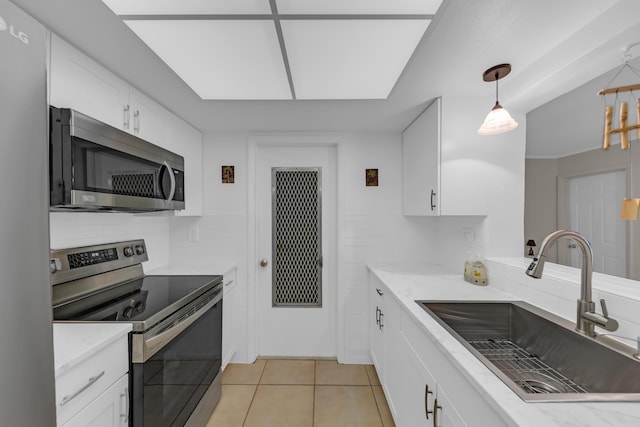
(15, 33)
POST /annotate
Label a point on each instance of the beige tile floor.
(300, 393)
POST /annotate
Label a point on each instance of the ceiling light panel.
(188, 7)
(349, 59)
(358, 7)
(220, 59)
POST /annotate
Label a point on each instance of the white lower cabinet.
(422, 385)
(229, 319)
(420, 390)
(109, 409)
(385, 338)
(392, 355)
(425, 403)
(95, 391)
(376, 323)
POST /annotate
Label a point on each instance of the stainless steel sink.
(539, 355)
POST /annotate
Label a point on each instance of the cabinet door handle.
(125, 415)
(125, 122)
(379, 292)
(433, 205)
(381, 323)
(377, 315)
(435, 412)
(427, 392)
(68, 398)
(136, 121)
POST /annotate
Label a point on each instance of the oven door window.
(168, 387)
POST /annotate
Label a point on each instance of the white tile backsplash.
(71, 229)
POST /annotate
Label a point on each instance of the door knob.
(264, 263)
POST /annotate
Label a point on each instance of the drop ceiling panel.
(187, 7)
(358, 7)
(349, 59)
(220, 59)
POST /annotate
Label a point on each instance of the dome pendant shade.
(498, 121)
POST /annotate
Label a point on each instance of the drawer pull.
(379, 292)
(68, 398)
(229, 282)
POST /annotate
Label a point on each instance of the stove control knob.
(127, 313)
(140, 307)
(139, 250)
(128, 251)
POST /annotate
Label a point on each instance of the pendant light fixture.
(498, 120)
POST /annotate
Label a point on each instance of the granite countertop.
(75, 342)
(410, 283)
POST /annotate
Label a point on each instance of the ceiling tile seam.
(283, 48)
(254, 17)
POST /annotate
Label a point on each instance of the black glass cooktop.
(145, 300)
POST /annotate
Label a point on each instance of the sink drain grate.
(526, 370)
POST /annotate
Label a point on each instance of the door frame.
(255, 142)
(564, 219)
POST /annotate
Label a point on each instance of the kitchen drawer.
(110, 408)
(79, 386)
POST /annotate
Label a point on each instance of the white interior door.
(594, 212)
(294, 321)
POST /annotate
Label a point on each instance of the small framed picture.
(228, 175)
(371, 177)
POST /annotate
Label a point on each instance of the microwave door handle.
(172, 177)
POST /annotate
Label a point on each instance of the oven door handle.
(154, 344)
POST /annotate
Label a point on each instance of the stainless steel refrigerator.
(27, 386)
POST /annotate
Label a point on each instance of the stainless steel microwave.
(96, 167)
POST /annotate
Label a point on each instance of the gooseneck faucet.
(587, 318)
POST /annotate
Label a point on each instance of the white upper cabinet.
(421, 163)
(445, 162)
(80, 83)
(148, 119)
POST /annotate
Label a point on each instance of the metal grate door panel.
(296, 234)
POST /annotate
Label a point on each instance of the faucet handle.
(603, 304)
